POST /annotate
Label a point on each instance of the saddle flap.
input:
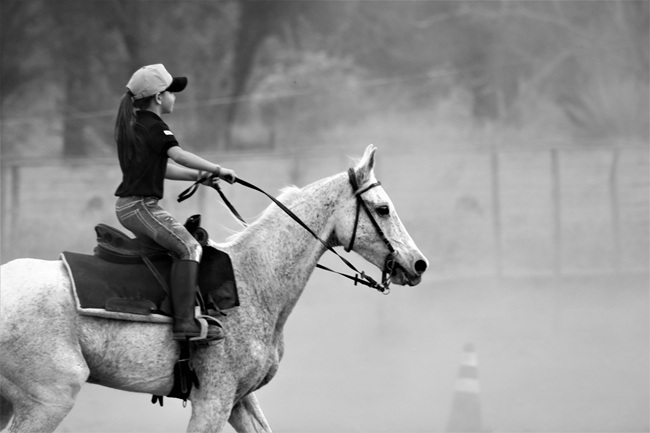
(217, 280)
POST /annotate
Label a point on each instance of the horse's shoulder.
(255, 360)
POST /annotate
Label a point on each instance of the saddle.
(128, 278)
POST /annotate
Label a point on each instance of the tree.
(23, 64)
(84, 47)
(21, 25)
(258, 21)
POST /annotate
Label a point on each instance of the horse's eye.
(383, 210)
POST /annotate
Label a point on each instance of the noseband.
(389, 263)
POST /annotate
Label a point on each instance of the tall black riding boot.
(184, 280)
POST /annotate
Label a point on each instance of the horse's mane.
(287, 196)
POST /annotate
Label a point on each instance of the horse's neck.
(276, 256)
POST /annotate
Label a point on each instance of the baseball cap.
(152, 79)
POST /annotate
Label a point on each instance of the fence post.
(614, 205)
(496, 212)
(10, 203)
(557, 212)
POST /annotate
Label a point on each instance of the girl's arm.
(190, 160)
(176, 172)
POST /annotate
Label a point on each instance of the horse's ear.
(367, 163)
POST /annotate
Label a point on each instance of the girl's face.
(167, 100)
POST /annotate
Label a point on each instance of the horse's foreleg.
(247, 416)
(209, 415)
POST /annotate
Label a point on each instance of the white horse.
(48, 351)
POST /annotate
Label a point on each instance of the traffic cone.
(465, 413)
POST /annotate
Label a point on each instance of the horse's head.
(356, 230)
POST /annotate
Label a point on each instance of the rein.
(360, 277)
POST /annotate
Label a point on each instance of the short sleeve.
(164, 135)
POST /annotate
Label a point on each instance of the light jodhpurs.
(145, 218)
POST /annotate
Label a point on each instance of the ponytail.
(128, 142)
(125, 135)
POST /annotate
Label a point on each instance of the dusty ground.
(568, 354)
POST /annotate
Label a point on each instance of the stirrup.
(203, 322)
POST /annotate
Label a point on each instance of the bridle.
(389, 263)
(360, 277)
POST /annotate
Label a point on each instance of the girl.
(144, 145)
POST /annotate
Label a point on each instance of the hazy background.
(513, 139)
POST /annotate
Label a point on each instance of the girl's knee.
(195, 251)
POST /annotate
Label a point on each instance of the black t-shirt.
(146, 174)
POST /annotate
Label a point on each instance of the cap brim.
(178, 85)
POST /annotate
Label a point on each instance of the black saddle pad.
(133, 288)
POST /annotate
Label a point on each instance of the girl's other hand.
(207, 178)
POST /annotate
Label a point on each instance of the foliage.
(286, 74)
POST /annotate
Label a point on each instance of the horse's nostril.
(420, 266)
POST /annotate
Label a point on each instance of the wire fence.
(472, 213)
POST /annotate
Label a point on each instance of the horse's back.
(25, 281)
(34, 297)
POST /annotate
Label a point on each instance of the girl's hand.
(227, 175)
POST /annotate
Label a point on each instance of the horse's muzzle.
(402, 277)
